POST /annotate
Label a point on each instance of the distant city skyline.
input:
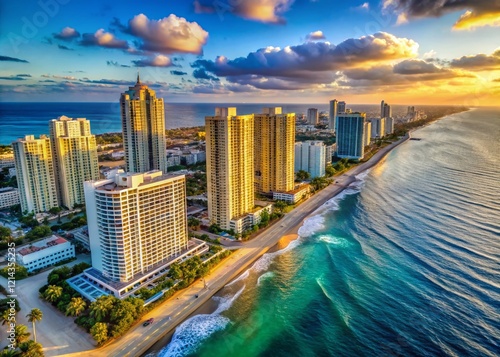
(286, 51)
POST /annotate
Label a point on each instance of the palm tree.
(53, 293)
(34, 316)
(31, 349)
(76, 307)
(5, 317)
(9, 352)
(99, 332)
(101, 308)
(21, 334)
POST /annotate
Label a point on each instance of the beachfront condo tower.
(230, 166)
(35, 174)
(312, 116)
(334, 109)
(274, 139)
(310, 156)
(74, 152)
(143, 125)
(351, 135)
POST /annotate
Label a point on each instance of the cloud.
(479, 13)
(306, 59)
(178, 73)
(106, 81)
(103, 39)
(268, 11)
(316, 35)
(478, 62)
(16, 77)
(171, 34)
(12, 59)
(62, 47)
(155, 61)
(365, 7)
(430, 54)
(116, 64)
(67, 34)
(200, 73)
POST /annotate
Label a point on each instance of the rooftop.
(41, 245)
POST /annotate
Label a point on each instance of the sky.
(263, 51)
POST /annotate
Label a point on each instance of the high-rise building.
(351, 135)
(137, 224)
(367, 130)
(382, 105)
(35, 174)
(310, 156)
(389, 125)
(143, 125)
(333, 114)
(312, 116)
(386, 110)
(230, 165)
(341, 108)
(75, 158)
(274, 139)
(378, 128)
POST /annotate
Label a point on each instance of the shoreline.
(210, 306)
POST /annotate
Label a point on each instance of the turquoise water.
(406, 262)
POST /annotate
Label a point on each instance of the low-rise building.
(44, 253)
(9, 196)
(247, 221)
(7, 160)
(294, 196)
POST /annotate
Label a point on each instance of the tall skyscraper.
(136, 222)
(310, 156)
(274, 139)
(312, 116)
(341, 108)
(143, 125)
(35, 174)
(386, 110)
(351, 135)
(382, 111)
(389, 125)
(74, 152)
(377, 127)
(333, 114)
(230, 165)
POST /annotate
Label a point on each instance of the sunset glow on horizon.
(268, 51)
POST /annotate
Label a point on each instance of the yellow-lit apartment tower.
(35, 174)
(274, 151)
(230, 166)
(143, 125)
(75, 158)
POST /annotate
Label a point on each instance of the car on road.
(148, 322)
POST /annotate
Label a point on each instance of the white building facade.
(44, 253)
(310, 156)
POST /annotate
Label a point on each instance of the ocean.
(20, 119)
(405, 262)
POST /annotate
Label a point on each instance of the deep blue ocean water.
(20, 119)
(406, 262)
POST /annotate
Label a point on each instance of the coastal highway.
(175, 310)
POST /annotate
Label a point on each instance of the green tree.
(175, 271)
(5, 233)
(193, 223)
(31, 349)
(265, 217)
(9, 352)
(101, 307)
(21, 334)
(76, 306)
(214, 228)
(34, 316)
(302, 175)
(5, 317)
(99, 332)
(53, 293)
(55, 210)
(280, 206)
(38, 232)
(330, 171)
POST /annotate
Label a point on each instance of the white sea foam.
(311, 225)
(192, 332)
(337, 242)
(265, 276)
(241, 277)
(265, 261)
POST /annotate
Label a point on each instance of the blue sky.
(272, 50)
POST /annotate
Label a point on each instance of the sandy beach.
(187, 302)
